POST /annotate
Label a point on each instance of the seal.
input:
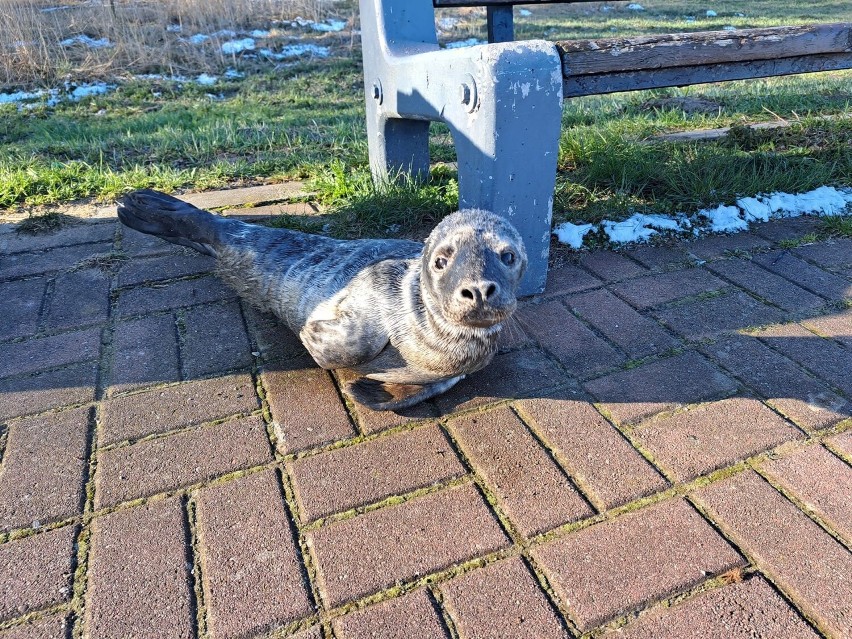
(411, 318)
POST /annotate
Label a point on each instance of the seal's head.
(472, 264)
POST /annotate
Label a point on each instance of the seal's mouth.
(483, 317)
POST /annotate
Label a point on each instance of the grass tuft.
(837, 226)
(45, 223)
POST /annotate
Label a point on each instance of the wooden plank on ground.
(608, 55)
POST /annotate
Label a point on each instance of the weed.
(106, 262)
(837, 226)
(48, 222)
(789, 243)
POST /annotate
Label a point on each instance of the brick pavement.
(661, 449)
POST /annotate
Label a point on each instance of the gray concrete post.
(502, 103)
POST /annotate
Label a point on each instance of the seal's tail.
(171, 219)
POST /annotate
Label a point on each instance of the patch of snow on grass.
(572, 234)
(174, 28)
(460, 44)
(233, 74)
(635, 6)
(294, 51)
(260, 33)
(327, 26)
(711, 14)
(85, 90)
(20, 96)
(205, 79)
(86, 41)
(52, 97)
(825, 200)
(238, 46)
(524, 12)
(724, 219)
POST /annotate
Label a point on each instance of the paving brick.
(653, 290)
(20, 303)
(51, 627)
(163, 409)
(79, 298)
(837, 325)
(710, 436)
(602, 462)
(37, 393)
(767, 285)
(183, 459)
(660, 258)
(357, 475)
(160, 297)
(786, 229)
(374, 421)
(569, 279)
(501, 600)
(637, 335)
(821, 356)
(413, 615)
(245, 195)
(36, 572)
(275, 342)
(151, 269)
(66, 236)
(829, 254)
(311, 633)
(138, 581)
(145, 353)
(806, 275)
(510, 375)
(802, 559)
(532, 490)
(611, 266)
(43, 469)
(57, 259)
(135, 244)
(662, 385)
(714, 246)
(306, 409)
(373, 551)
(513, 337)
(577, 348)
(819, 480)
(616, 566)
(215, 340)
(805, 400)
(843, 443)
(253, 573)
(53, 351)
(709, 317)
(749, 609)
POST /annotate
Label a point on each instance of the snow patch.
(52, 97)
(825, 200)
(206, 80)
(294, 51)
(572, 234)
(329, 25)
(238, 46)
(86, 41)
(524, 12)
(711, 14)
(260, 33)
(460, 44)
(635, 6)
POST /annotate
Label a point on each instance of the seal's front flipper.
(174, 220)
(386, 396)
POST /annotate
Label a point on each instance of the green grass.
(306, 121)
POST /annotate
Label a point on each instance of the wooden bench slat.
(575, 86)
(447, 4)
(613, 55)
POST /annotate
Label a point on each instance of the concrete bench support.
(502, 102)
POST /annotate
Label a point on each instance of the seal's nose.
(477, 293)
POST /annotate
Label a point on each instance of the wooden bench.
(502, 100)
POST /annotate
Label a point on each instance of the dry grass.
(31, 53)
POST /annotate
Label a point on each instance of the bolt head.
(464, 94)
(377, 92)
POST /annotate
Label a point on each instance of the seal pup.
(411, 318)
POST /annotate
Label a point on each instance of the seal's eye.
(508, 258)
(440, 263)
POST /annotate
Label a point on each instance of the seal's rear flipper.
(171, 219)
(386, 396)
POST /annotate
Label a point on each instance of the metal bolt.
(377, 92)
(464, 94)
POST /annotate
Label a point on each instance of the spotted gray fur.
(412, 319)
